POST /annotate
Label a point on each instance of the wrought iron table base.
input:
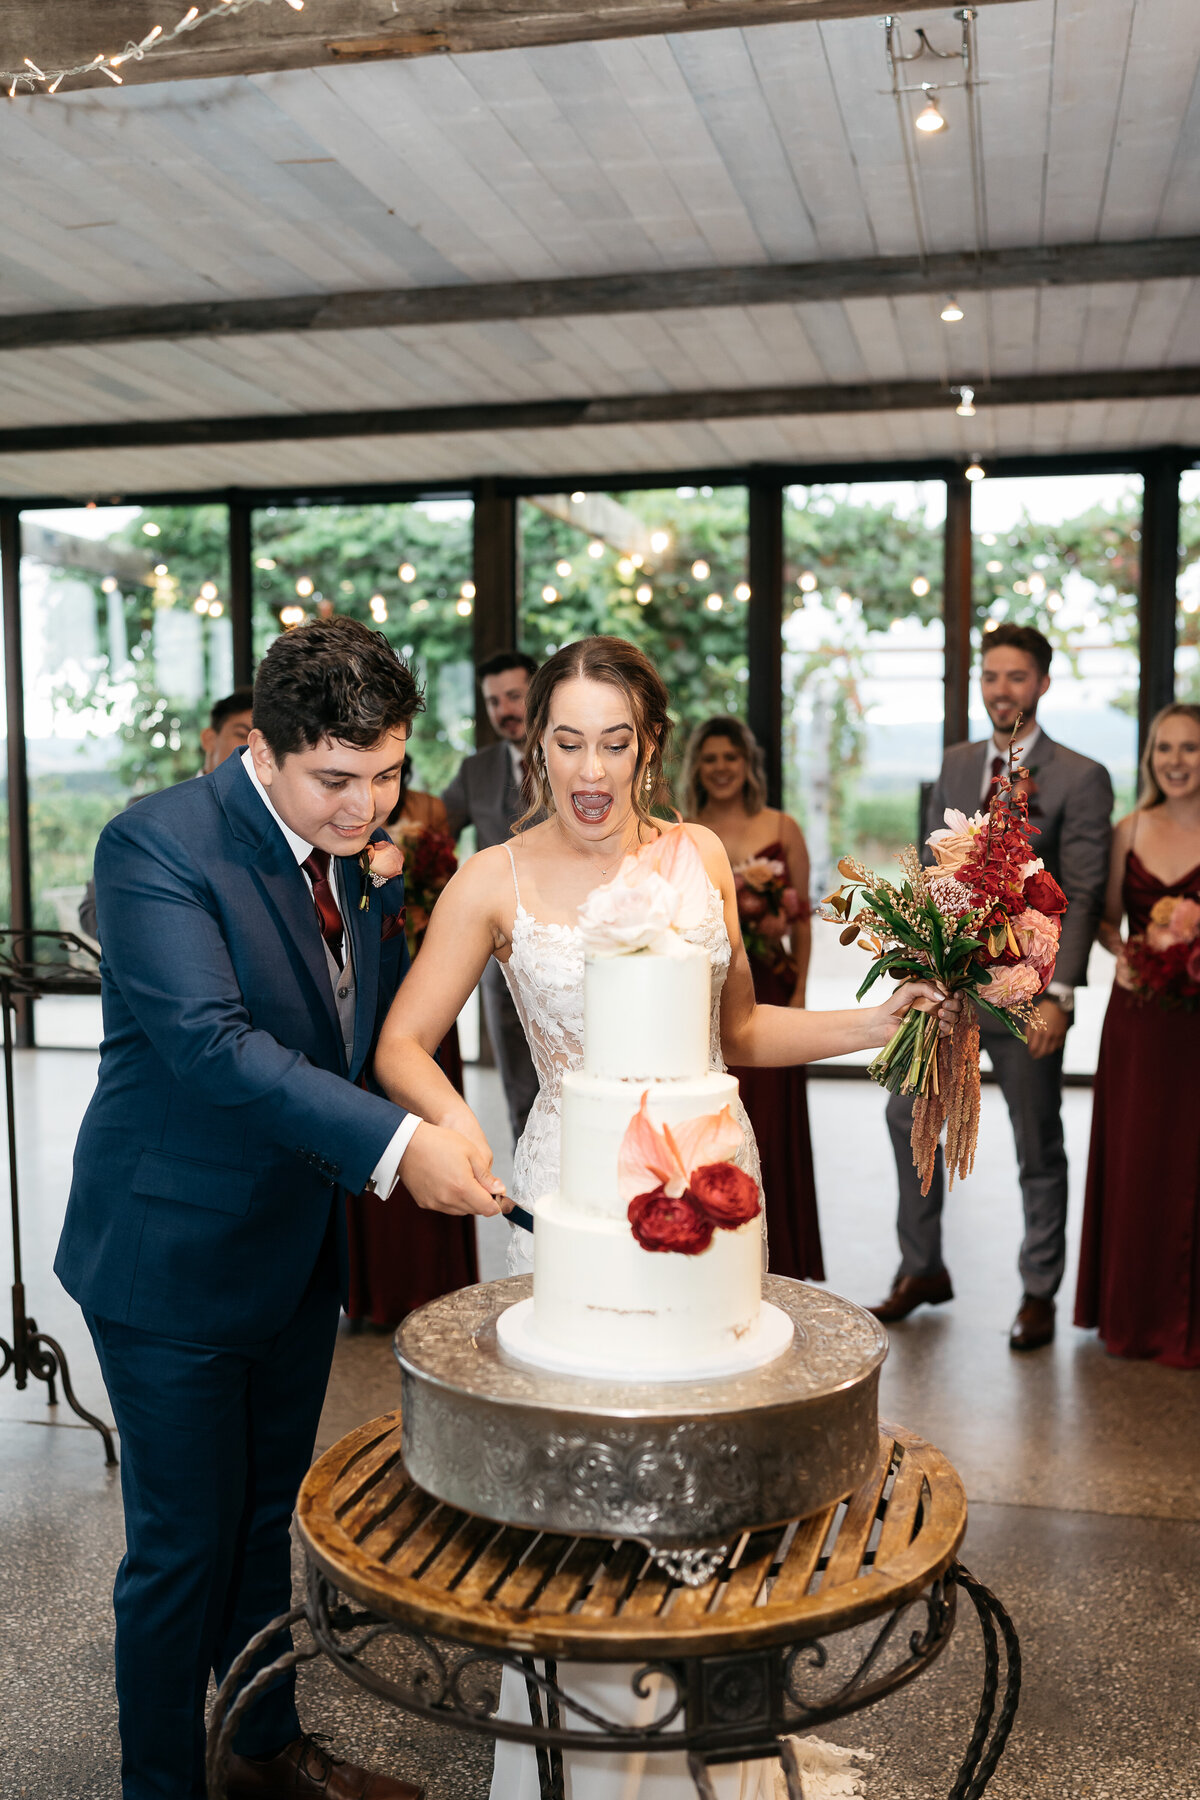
(720, 1708)
(33, 1352)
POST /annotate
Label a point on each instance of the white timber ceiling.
(772, 144)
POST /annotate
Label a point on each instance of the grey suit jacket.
(1071, 804)
(485, 793)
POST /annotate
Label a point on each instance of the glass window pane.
(863, 696)
(665, 568)
(1062, 553)
(1187, 639)
(403, 567)
(127, 643)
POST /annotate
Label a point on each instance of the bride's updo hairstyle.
(1151, 793)
(620, 664)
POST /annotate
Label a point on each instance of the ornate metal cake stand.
(680, 1466)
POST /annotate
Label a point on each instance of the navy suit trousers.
(215, 1442)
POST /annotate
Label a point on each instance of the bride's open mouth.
(591, 808)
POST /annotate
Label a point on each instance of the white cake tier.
(647, 1015)
(596, 1112)
(601, 1302)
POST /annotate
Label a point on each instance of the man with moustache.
(486, 793)
(1070, 803)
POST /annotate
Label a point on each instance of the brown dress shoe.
(304, 1769)
(911, 1291)
(1033, 1326)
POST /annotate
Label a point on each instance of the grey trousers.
(1032, 1087)
(517, 1073)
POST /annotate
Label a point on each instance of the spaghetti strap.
(512, 859)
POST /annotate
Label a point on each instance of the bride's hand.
(460, 1118)
(924, 996)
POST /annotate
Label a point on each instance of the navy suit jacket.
(210, 1164)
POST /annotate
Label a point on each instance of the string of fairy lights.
(32, 76)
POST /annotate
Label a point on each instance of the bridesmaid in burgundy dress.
(724, 788)
(1139, 1265)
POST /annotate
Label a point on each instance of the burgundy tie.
(997, 772)
(316, 865)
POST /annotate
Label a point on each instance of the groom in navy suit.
(249, 959)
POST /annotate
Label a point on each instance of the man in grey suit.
(486, 793)
(1070, 802)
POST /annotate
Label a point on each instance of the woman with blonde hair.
(598, 729)
(724, 788)
(1139, 1262)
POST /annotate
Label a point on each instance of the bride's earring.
(649, 782)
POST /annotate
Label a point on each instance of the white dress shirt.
(383, 1177)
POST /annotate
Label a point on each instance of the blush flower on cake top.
(658, 892)
(681, 1178)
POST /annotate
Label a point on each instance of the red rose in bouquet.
(661, 1221)
(725, 1194)
(1043, 893)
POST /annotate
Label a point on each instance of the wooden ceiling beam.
(62, 33)
(621, 409)
(469, 303)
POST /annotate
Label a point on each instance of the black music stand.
(24, 977)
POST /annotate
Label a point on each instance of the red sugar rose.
(661, 1222)
(1043, 893)
(725, 1193)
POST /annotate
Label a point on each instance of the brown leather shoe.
(1033, 1326)
(911, 1291)
(305, 1769)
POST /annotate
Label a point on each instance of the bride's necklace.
(591, 861)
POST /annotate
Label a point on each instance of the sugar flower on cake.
(657, 893)
(680, 1182)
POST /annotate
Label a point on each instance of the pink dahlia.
(1038, 937)
(1012, 984)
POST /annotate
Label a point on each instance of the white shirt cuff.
(383, 1178)
(1058, 990)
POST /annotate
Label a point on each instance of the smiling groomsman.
(1070, 802)
(252, 924)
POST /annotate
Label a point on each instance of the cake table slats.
(451, 1574)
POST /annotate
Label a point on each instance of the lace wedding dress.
(545, 976)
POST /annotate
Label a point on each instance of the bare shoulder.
(1123, 831)
(789, 830)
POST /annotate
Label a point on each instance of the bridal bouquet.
(983, 921)
(767, 909)
(1163, 962)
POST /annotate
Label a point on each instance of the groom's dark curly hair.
(332, 678)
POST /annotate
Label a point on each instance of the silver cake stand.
(676, 1465)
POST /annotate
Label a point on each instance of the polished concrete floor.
(1082, 1474)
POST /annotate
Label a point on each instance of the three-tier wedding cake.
(648, 1260)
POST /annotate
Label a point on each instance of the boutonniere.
(382, 862)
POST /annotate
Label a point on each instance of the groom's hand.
(447, 1172)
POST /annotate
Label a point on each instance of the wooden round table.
(800, 1624)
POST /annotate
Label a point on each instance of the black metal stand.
(23, 977)
(718, 1707)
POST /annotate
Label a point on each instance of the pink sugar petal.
(645, 1159)
(714, 1137)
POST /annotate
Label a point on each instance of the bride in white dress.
(597, 730)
